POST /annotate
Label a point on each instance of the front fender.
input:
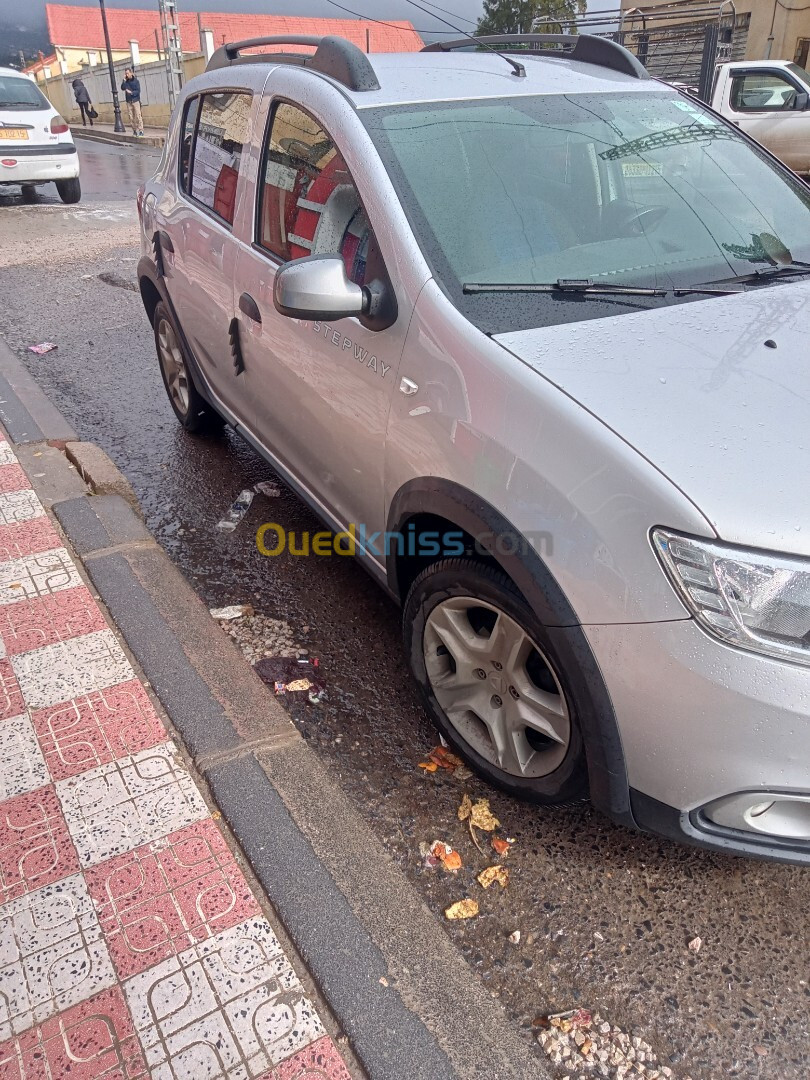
(603, 746)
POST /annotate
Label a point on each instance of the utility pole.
(173, 49)
(119, 123)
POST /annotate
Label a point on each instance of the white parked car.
(770, 101)
(36, 146)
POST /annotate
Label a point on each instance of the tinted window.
(762, 93)
(222, 133)
(309, 203)
(186, 140)
(21, 93)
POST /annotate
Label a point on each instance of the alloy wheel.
(496, 687)
(174, 366)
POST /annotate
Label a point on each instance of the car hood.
(696, 390)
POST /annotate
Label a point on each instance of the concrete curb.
(117, 137)
(397, 985)
(102, 475)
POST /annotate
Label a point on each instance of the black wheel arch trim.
(609, 786)
(148, 271)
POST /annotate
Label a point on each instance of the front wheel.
(193, 412)
(70, 191)
(493, 682)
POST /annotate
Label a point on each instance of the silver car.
(531, 328)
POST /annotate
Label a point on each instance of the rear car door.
(201, 259)
(321, 391)
(763, 102)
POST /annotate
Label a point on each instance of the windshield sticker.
(638, 168)
(698, 114)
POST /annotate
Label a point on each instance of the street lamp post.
(119, 123)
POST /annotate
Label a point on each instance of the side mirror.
(801, 101)
(316, 287)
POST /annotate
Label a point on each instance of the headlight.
(751, 599)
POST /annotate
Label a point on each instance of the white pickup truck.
(769, 99)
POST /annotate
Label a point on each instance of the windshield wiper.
(585, 286)
(765, 273)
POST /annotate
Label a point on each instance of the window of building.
(222, 133)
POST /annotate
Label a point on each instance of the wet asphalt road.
(605, 915)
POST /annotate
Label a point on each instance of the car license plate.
(7, 134)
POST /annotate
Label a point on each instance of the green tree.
(523, 16)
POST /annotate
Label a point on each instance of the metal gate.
(680, 42)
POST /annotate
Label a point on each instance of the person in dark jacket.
(82, 96)
(132, 95)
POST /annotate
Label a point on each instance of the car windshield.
(800, 73)
(20, 93)
(647, 189)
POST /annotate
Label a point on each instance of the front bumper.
(38, 167)
(700, 721)
(696, 829)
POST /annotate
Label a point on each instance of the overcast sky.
(464, 12)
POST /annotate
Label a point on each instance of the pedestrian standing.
(132, 95)
(82, 96)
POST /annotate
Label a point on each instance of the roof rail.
(586, 48)
(334, 56)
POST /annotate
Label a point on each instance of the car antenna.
(518, 69)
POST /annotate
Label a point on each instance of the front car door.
(321, 391)
(763, 102)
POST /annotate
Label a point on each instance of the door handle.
(249, 307)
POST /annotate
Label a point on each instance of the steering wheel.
(637, 222)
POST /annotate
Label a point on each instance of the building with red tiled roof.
(76, 32)
(45, 66)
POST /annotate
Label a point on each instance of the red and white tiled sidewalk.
(130, 942)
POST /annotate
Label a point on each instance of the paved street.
(605, 915)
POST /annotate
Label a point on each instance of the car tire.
(193, 412)
(459, 618)
(70, 191)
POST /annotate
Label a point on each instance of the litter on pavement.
(500, 846)
(268, 488)
(492, 874)
(478, 813)
(295, 679)
(440, 854)
(237, 510)
(43, 347)
(462, 909)
(233, 611)
(440, 758)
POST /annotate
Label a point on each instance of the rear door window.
(222, 135)
(187, 141)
